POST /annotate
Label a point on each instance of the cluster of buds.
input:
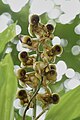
(41, 64)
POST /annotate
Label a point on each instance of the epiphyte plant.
(37, 69)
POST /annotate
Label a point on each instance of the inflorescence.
(37, 67)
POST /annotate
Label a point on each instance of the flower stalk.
(34, 95)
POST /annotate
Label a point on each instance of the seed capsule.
(21, 73)
(55, 98)
(50, 27)
(23, 56)
(34, 20)
(26, 40)
(51, 75)
(57, 49)
(22, 94)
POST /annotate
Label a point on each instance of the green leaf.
(6, 36)
(68, 107)
(8, 85)
(78, 118)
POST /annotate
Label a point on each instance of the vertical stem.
(34, 109)
(34, 95)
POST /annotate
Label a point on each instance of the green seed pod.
(26, 40)
(22, 94)
(55, 98)
(50, 27)
(57, 49)
(51, 75)
(23, 56)
(34, 19)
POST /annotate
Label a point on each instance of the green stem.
(34, 110)
(34, 95)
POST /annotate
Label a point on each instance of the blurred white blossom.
(73, 82)
(41, 6)
(77, 29)
(75, 50)
(8, 50)
(63, 11)
(15, 5)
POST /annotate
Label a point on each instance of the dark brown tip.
(55, 98)
(50, 27)
(23, 54)
(22, 94)
(22, 72)
(34, 19)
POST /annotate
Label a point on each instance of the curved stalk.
(34, 95)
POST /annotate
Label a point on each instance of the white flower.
(71, 7)
(56, 40)
(59, 2)
(16, 5)
(66, 18)
(41, 6)
(54, 13)
(75, 50)
(21, 109)
(39, 110)
(61, 67)
(18, 29)
(16, 68)
(70, 73)
(8, 49)
(73, 82)
(5, 18)
(63, 11)
(77, 29)
(64, 42)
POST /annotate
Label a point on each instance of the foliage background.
(63, 31)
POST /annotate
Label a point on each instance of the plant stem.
(41, 113)
(32, 98)
(34, 109)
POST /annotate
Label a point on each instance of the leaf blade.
(8, 88)
(6, 36)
